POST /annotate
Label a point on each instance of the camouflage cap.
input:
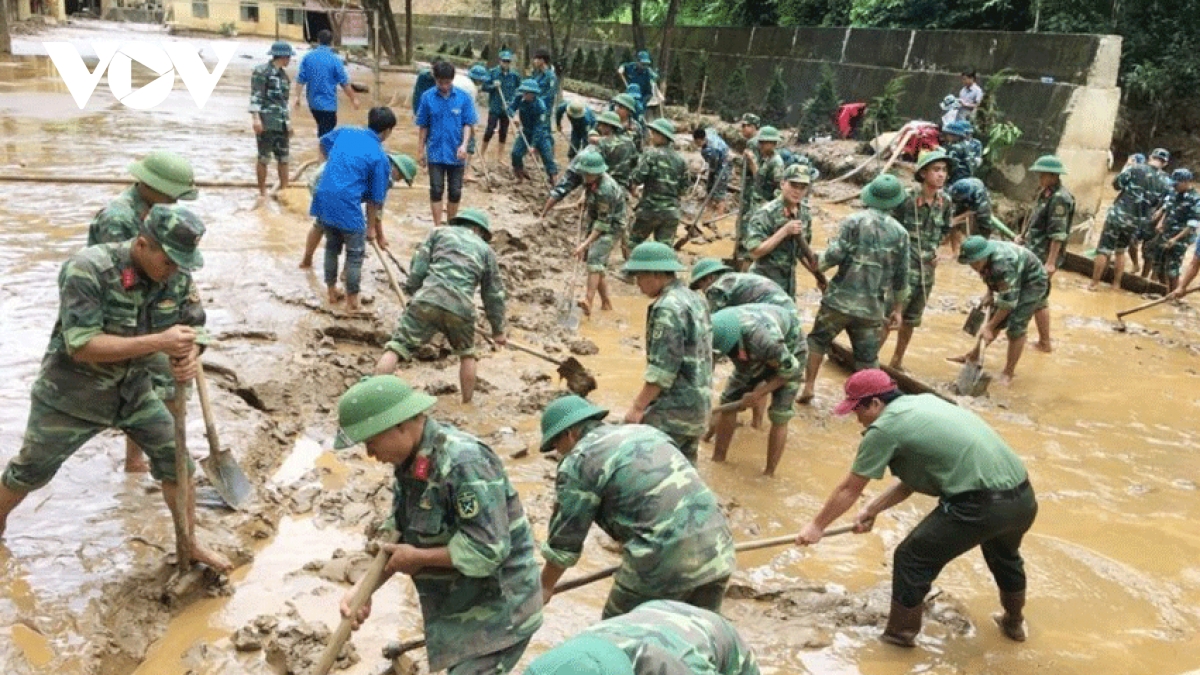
(643, 56)
(752, 119)
(798, 173)
(177, 230)
(281, 48)
(634, 89)
(1161, 154)
(769, 135)
(506, 55)
(529, 86)
(478, 73)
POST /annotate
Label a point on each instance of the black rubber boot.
(903, 626)
(1012, 621)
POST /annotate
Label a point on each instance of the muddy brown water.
(1104, 424)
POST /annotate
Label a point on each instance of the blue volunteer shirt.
(445, 117)
(358, 170)
(322, 72)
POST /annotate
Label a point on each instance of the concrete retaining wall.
(1065, 97)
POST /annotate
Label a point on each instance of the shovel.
(369, 582)
(183, 482)
(972, 381)
(220, 466)
(568, 309)
(1121, 327)
(391, 278)
(578, 379)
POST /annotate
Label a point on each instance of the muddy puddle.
(1104, 425)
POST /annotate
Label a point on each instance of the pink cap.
(864, 384)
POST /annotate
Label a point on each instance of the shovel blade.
(579, 380)
(227, 478)
(967, 377)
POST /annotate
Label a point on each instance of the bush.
(442, 48)
(775, 107)
(818, 111)
(608, 69)
(591, 67)
(676, 89)
(698, 85)
(733, 99)
(467, 51)
(455, 50)
(881, 114)
(576, 68)
(485, 54)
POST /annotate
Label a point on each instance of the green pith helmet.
(375, 405)
(575, 110)
(281, 48)
(166, 172)
(610, 118)
(653, 256)
(975, 248)
(663, 126)
(884, 193)
(929, 157)
(405, 165)
(590, 162)
(178, 231)
(798, 173)
(529, 86)
(769, 135)
(705, 267)
(751, 119)
(726, 330)
(626, 101)
(1048, 164)
(583, 655)
(564, 413)
(474, 218)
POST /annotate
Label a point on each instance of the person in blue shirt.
(501, 90)
(642, 75)
(636, 92)
(357, 170)
(715, 152)
(447, 118)
(322, 72)
(582, 121)
(547, 80)
(533, 127)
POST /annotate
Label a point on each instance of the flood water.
(1105, 425)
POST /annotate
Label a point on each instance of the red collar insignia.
(421, 468)
(128, 278)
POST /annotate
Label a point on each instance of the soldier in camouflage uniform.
(778, 233)
(162, 178)
(446, 269)
(677, 391)
(769, 353)
(532, 120)
(1146, 236)
(972, 202)
(1181, 218)
(1049, 227)
(1141, 190)
(959, 150)
(123, 307)
(1018, 288)
(632, 482)
(723, 287)
(627, 110)
(926, 215)
(871, 286)
(615, 148)
(715, 153)
(270, 88)
(661, 637)
(663, 176)
(605, 212)
(464, 538)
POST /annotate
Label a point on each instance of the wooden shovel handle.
(1153, 303)
(386, 268)
(369, 582)
(210, 427)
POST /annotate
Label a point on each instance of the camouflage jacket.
(665, 637)
(734, 289)
(780, 264)
(927, 224)
(506, 90)
(620, 154)
(605, 206)
(679, 359)
(453, 492)
(635, 485)
(447, 268)
(1010, 272)
(1181, 213)
(1143, 189)
(100, 291)
(548, 81)
(1053, 213)
(871, 254)
(976, 199)
(772, 340)
(962, 161)
(270, 88)
(663, 175)
(766, 179)
(120, 220)
(535, 120)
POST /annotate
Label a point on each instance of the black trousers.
(957, 526)
(326, 121)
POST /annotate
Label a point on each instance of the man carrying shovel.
(446, 270)
(631, 481)
(605, 213)
(464, 537)
(122, 305)
(776, 234)
(945, 451)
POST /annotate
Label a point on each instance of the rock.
(583, 347)
(247, 639)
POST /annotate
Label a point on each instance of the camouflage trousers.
(599, 252)
(496, 663)
(421, 321)
(1170, 260)
(273, 143)
(919, 287)
(865, 335)
(783, 400)
(622, 599)
(543, 143)
(659, 224)
(1033, 298)
(1120, 230)
(51, 436)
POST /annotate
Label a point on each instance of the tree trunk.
(494, 50)
(521, 9)
(554, 53)
(5, 38)
(408, 38)
(635, 12)
(664, 50)
(389, 36)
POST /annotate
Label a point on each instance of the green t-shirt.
(937, 448)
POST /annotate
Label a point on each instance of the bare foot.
(606, 307)
(136, 465)
(306, 264)
(336, 296)
(211, 558)
(708, 435)
(1005, 379)
(583, 305)
(1044, 347)
(805, 398)
(1091, 288)
(896, 365)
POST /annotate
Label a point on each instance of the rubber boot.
(903, 626)
(1012, 621)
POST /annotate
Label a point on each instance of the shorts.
(272, 143)
(51, 436)
(422, 320)
(599, 252)
(1032, 299)
(865, 335)
(1119, 232)
(623, 600)
(496, 120)
(1170, 260)
(439, 176)
(918, 298)
(496, 663)
(659, 224)
(783, 399)
(326, 121)
(1144, 229)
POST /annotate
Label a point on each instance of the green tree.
(608, 68)
(775, 107)
(733, 100)
(485, 54)
(818, 111)
(591, 67)
(881, 114)
(577, 64)
(700, 84)
(676, 88)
